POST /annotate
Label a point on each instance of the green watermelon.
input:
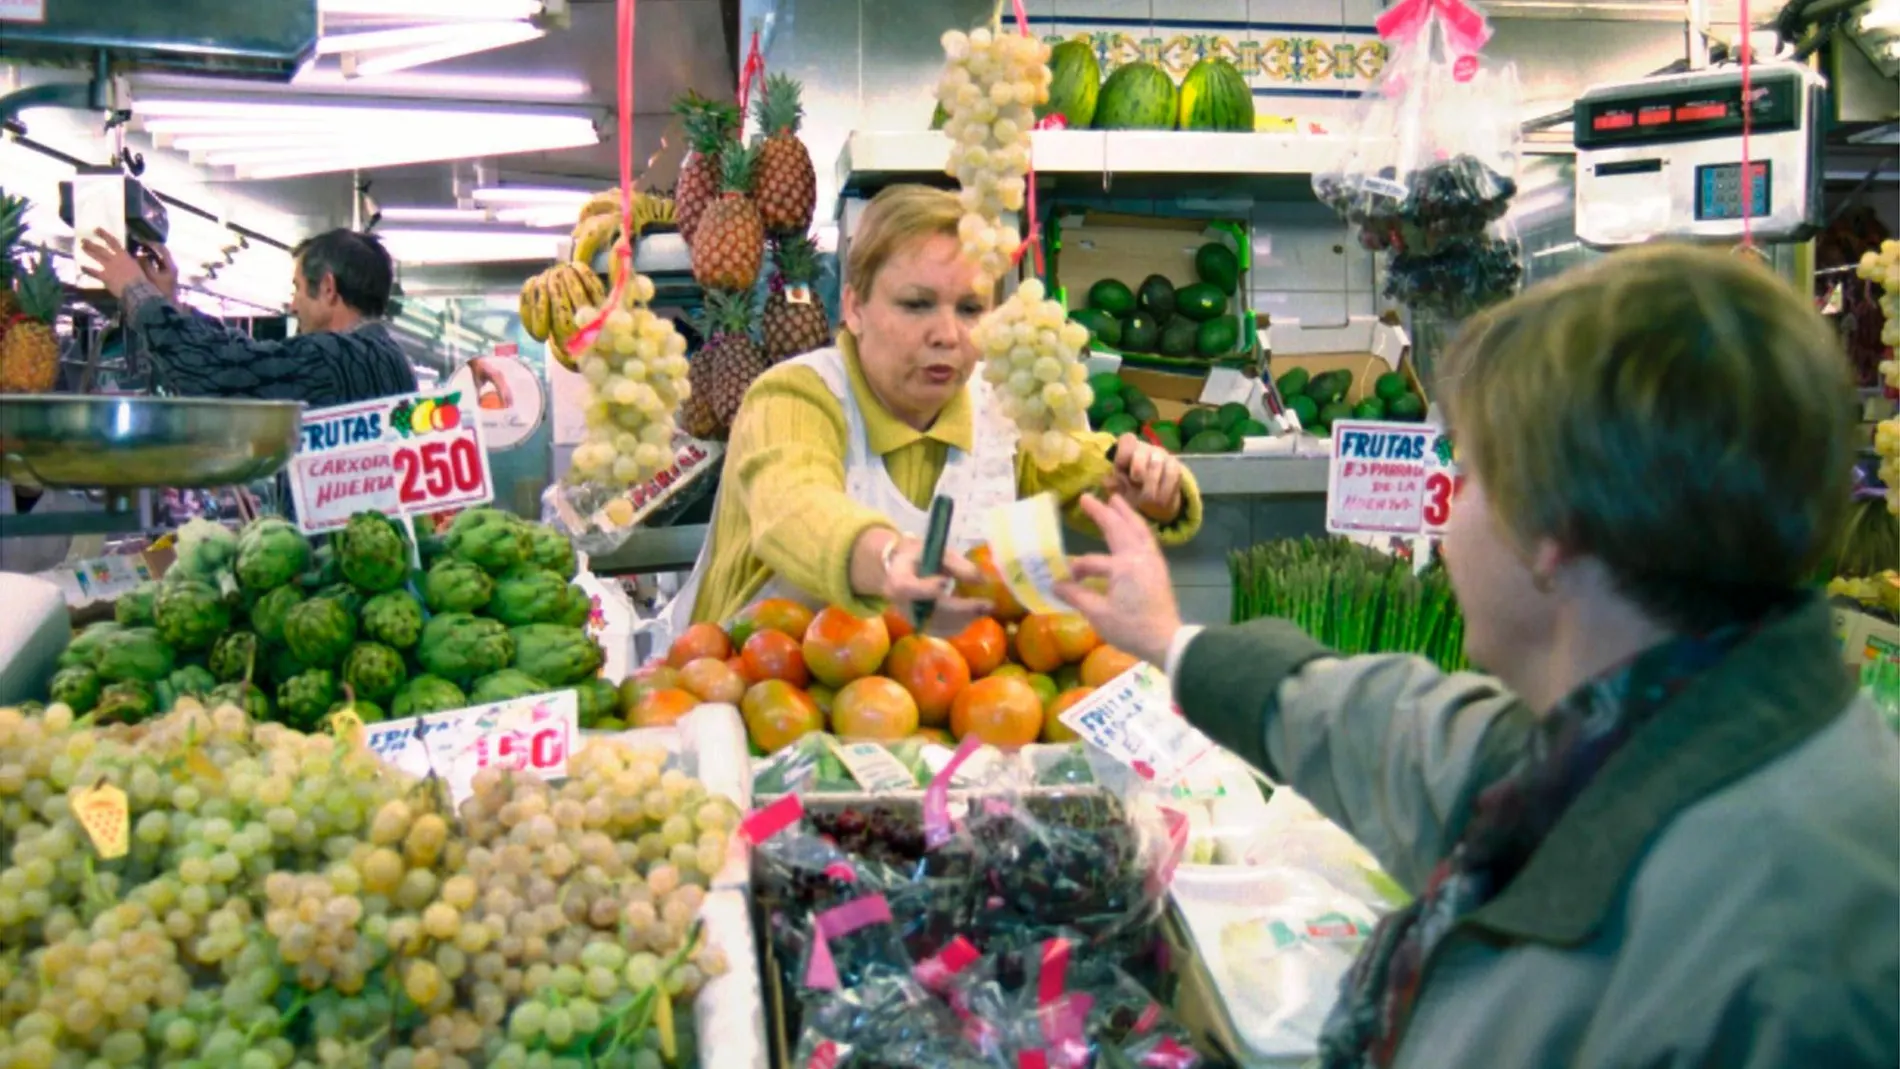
(1215, 96)
(1138, 96)
(1075, 82)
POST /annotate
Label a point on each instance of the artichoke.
(456, 586)
(136, 653)
(427, 694)
(577, 610)
(234, 656)
(345, 595)
(135, 608)
(271, 553)
(489, 538)
(267, 616)
(247, 696)
(303, 699)
(505, 685)
(207, 552)
(367, 712)
(190, 614)
(549, 550)
(561, 655)
(372, 553)
(190, 681)
(374, 671)
(125, 702)
(83, 651)
(393, 619)
(599, 700)
(280, 664)
(319, 632)
(528, 595)
(460, 647)
(78, 687)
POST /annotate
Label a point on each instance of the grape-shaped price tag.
(107, 817)
(346, 726)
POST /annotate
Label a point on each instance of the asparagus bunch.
(1354, 599)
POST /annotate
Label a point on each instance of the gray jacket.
(1725, 893)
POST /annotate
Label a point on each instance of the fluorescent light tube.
(438, 10)
(549, 216)
(434, 215)
(468, 246)
(531, 195)
(501, 35)
(342, 156)
(466, 86)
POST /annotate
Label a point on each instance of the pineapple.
(724, 368)
(29, 353)
(12, 228)
(730, 241)
(710, 128)
(786, 185)
(795, 322)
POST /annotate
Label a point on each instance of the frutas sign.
(410, 455)
(1389, 478)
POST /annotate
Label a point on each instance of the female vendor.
(835, 456)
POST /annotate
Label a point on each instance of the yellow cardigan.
(782, 504)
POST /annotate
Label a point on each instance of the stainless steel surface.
(120, 514)
(255, 39)
(1242, 475)
(126, 442)
(653, 549)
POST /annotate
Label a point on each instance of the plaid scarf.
(1509, 818)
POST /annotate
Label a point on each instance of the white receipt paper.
(1025, 541)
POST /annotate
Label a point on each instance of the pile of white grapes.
(990, 87)
(1030, 355)
(291, 901)
(635, 370)
(1883, 269)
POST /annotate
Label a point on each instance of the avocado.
(1119, 424)
(1104, 328)
(1140, 407)
(1106, 405)
(1407, 409)
(1196, 420)
(1112, 297)
(1390, 387)
(1232, 414)
(1330, 386)
(1245, 429)
(1213, 440)
(1332, 413)
(1370, 408)
(1217, 336)
(1104, 383)
(1179, 336)
(1200, 302)
(1217, 265)
(1293, 383)
(1140, 333)
(1303, 407)
(1156, 297)
(1163, 433)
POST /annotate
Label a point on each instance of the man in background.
(343, 351)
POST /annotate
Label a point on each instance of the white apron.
(977, 481)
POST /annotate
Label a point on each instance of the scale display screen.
(1686, 114)
(1718, 191)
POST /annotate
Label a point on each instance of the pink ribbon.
(938, 828)
(822, 971)
(1466, 29)
(754, 69)
(763, 823)
(1063, 1016)
(935, 973)
(1169, 1054)
(1176, 823)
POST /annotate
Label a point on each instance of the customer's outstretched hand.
(1137, 613)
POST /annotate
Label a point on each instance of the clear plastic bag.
(1431, 157)
(887, 1021)
(1460, 276)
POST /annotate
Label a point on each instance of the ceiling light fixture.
(495, 35)
(468, 246)
(465, 86)
(437, 10)
(434, 215)
(547, 196)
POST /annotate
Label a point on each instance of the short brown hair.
(897, 216)
(1679, 413)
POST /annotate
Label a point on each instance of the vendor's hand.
(1138, 613)
(161, 271)
(903, 587)
(1147, 477)
(114, 267)
(486, 371)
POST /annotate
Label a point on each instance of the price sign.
(1442, 483)
(415, 454)
(533, 734)
(1131, 719)
(1377, 480)
(1025, 540)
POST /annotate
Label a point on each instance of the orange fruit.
(897, 624)
(1105, 663)
(873, 708)
(1053, 729)
(1000, 711)
(932, 671)
(1036, 643)
(778, 714)
(1074, 637)
(775, 655)
(773, 614)
(992, 589)
(700, 640)
(658, 708)
(840, 647)
(712, 680)
(1009, 671)
(984, 646)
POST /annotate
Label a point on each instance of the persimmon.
(1001, 711)
(840, 647)
(873, 708)
(932, 671)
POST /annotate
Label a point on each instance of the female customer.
(835, 456)
(1667, 834)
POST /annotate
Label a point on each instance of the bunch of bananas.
(599, 225)
(548, 301)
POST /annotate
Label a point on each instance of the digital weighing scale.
(1662, 157)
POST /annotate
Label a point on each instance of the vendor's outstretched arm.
(1387, 746)
(196, 356)
(1090, 472)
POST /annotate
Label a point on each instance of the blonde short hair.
(1679, 413)
(897, 216)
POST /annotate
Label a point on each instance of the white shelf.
(1257, 474)
(1268, 164)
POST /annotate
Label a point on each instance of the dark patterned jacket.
(195, 356)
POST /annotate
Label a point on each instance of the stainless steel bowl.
(114, 443)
